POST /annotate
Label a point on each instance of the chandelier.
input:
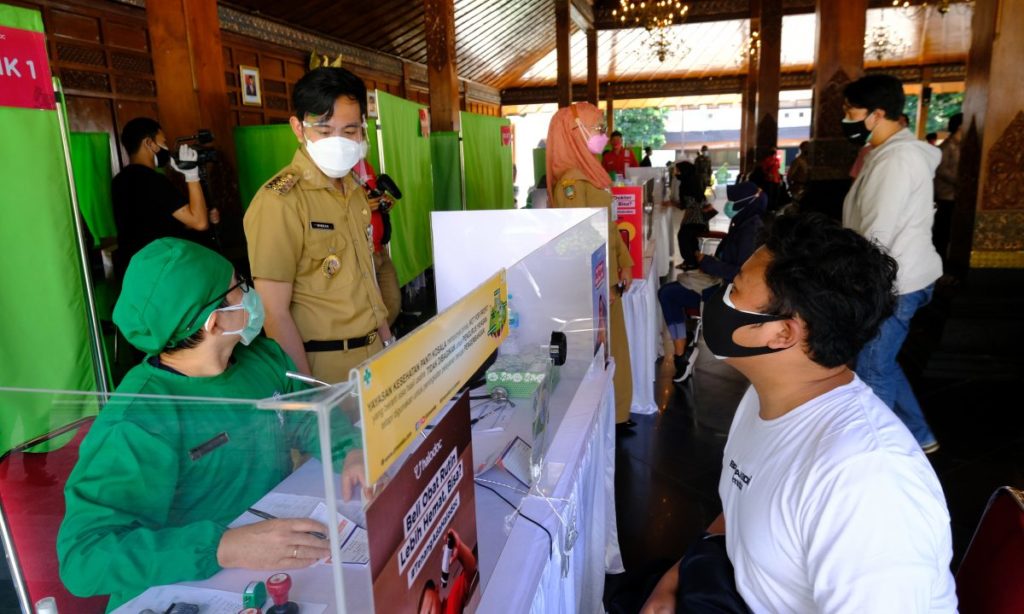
(750, 51)
(650, 14)
(883, 41)
(942, 6)
(661, 42)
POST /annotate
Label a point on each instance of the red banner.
(24, 70)
(629, 212)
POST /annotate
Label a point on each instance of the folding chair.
(990, 579)
(31, 510)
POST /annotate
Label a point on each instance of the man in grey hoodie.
(891, 203)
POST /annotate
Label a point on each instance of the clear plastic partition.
(217, 502)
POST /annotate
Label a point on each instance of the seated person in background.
(147, 205)
(158, 480)
(696, 212)
(746, 208)
(829, 504)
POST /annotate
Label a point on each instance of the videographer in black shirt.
(147, 206)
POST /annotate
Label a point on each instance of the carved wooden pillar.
(562, 21)
(768, 76)
(441, 71)
(988, 222)
(839, 60)
(748, 117)
(924, 103)
(188, 62)
(592, 84)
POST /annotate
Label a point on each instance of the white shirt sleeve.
(874, 539)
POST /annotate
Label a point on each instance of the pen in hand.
(266, 516)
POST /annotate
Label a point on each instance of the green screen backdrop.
(487, 163)
(90, 159)
(407, 159)
(264, 150)
(44, 330)
(444, 151)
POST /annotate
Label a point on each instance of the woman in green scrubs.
(159, 479)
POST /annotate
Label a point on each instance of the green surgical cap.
(168, 293)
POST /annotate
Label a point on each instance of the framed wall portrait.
(249, 80)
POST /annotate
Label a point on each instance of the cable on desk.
(551, 540)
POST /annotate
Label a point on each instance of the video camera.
(199, 142)
(386, 190)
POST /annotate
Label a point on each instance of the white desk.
(517, 574)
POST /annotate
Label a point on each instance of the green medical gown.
(147, 501)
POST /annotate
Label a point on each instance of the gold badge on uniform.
(330, 266)
(569, 190)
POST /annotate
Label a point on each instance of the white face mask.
(336, 155)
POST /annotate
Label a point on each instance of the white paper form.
(355, 547)
(210, 601)
(280, 505)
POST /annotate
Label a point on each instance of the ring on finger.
(295, 553)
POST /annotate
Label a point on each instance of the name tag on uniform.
(205, 448)
(321, 226)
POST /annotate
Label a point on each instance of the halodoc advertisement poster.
(599, 282)
(422, 526)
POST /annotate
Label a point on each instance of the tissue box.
(521, 374)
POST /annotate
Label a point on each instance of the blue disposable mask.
(253, 307)
(732, 208)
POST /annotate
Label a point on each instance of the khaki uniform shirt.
(302, 230)
(574, 190)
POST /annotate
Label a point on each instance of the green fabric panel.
(540, 161)
(90, 160)
(487, 163)
(407, 161)
(444, 148)
(45, 331)
(23, 19)
(262, 151)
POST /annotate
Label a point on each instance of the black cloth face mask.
(163, 158)
(721, 319)
(856, 132)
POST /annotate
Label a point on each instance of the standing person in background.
(146, 204)
(575, 179)
(618, 157)
(798, 173)
(647, 157)
(891, 204)
(932, 138)
(380, 220)
(703, 164)
(307, 229)
(947, 178)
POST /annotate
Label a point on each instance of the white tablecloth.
(643, 327)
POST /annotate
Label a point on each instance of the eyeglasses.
(325, 130)
(244, 282)
(599, 129)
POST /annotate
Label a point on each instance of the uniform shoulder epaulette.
(283, 183)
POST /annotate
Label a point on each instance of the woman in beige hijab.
(576, 179)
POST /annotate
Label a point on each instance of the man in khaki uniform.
(308, 230)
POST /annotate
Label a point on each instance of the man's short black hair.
(877, 92)
(316, 92)
(839, 283)
(931, 136)
(616, 134)
(138, 130)
(955, 121)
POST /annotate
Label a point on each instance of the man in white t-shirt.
(829, 504)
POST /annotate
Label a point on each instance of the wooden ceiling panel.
(511, 43)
